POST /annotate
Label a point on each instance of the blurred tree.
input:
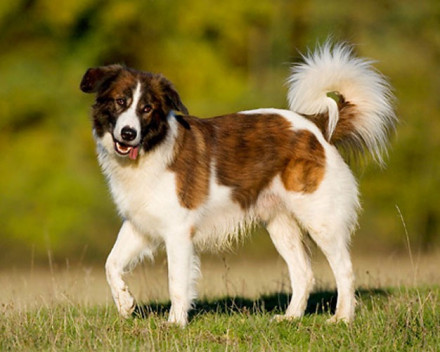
(222, 56)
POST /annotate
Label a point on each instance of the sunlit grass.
(71, 309)
(388, 320)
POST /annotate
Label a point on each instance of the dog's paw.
(338, 319)
(177, 323)
(282, 317)
(125, 304)
(178, 318)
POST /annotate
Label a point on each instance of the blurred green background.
(222, 56)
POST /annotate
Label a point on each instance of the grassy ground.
(71, 309)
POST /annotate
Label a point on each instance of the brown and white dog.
(195, 183)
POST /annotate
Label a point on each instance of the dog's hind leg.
(288, 240)
(334, 245)
(330, 224)
(128, 249)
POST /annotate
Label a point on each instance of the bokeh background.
(222, 56)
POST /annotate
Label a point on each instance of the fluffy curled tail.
(345, 97)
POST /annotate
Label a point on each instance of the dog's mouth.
(127, 150)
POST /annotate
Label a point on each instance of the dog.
(194, 184)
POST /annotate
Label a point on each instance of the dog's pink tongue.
(134, 151)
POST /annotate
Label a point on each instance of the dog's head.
(131, 107)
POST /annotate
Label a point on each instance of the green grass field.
(71, 309)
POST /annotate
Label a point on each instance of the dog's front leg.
(127, 250)
(182, 267)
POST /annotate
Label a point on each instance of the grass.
(75, 313)
(399, 319)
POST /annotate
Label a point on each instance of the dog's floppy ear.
(94, 78)
(172, 98)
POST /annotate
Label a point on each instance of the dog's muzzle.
(125, 147)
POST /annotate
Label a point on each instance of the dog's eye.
(147, 108)
(121, 102)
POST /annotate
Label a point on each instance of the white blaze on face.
(130, 119)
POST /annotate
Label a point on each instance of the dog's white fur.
(147, 198)
(129, 119)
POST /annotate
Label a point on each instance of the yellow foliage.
(222, 56)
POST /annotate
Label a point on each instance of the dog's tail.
(345, 97)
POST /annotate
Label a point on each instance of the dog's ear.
(95, 78)
(172, 98)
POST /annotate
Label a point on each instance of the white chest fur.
(144, 192)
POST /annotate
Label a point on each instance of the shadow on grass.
(321, 302)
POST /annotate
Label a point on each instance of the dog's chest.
(145, 196)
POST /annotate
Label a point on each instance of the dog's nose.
(128, 133)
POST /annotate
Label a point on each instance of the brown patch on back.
(305, 170)
(248, 151)
(192, 161)
(253, 149)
